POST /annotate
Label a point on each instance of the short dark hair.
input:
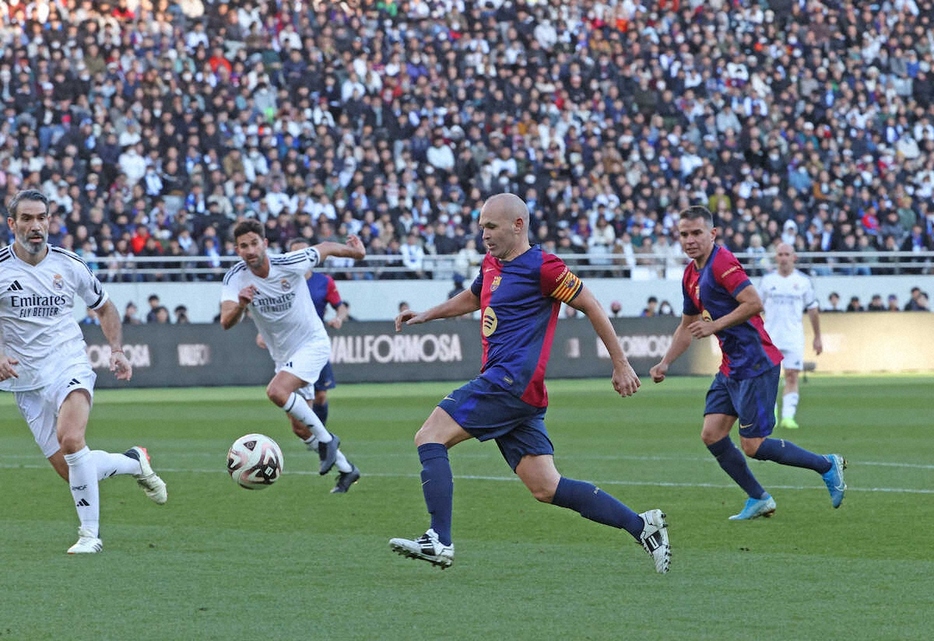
(696, 212)
(26, 194)
(250, 225)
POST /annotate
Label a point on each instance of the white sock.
(296, 407)
(789, 405)
(343, 465)
(82, 478)
(109, 464)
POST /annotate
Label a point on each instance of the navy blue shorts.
(325, 379)
(487, 411)
(750, 399)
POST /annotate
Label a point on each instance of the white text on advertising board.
(138, 355)
(639, 346)
(194, 354)
(396, 348)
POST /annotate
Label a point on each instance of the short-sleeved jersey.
(519, 302)
(711, 292)
(323, 292)
(282, 307)
(786, 298)
(37, 313)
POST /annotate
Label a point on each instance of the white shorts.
(306, 364)
(793, 357)
(40, 407)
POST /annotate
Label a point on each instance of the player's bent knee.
(277, 395)
(750, 446)
(70, 443)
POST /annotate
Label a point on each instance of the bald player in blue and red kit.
(519, 290)
(720, 299)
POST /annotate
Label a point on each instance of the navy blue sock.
(787, 453)
(321, 411)
(734, 464)
(438, 488)
(593, 503)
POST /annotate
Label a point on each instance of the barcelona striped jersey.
(519, 302)
(711, 292)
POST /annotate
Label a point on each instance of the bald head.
(504, 220)
(508, 205)
(785, 258)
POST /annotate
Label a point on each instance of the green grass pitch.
(295, 562)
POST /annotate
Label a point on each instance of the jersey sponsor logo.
(58, 283)
(15, 287)
(495, 284)
(35, 306)
(273, 304)
(489, 322)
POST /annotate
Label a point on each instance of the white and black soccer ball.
(254, 461)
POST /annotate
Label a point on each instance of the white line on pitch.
(513, 479)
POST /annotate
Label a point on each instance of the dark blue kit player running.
(720, 300)
(519, 291)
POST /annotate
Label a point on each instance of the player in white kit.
(787, 293)
(274, 289)
(44, 363)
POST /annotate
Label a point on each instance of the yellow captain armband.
(568, 287)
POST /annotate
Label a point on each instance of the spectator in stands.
(181, 315)
(90, 318)
(854, 305)
(918, 301)
(833, 302)
(876, 304)
(893, 305)
(249, 118)
(154, 304)
(651, 307)
(129, 314)
(162, 315)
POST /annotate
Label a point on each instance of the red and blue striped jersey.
(711, 292)
(323, 291)
(519, 301)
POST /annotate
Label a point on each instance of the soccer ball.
(254, 461)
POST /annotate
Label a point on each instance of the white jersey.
(37, 320)
(282, 308)
(785, 299)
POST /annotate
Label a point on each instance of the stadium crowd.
(154, 125)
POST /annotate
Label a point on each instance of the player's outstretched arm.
(464, 303)
(625, 380)
(112, 327)
(680, 341)
(353, 248)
